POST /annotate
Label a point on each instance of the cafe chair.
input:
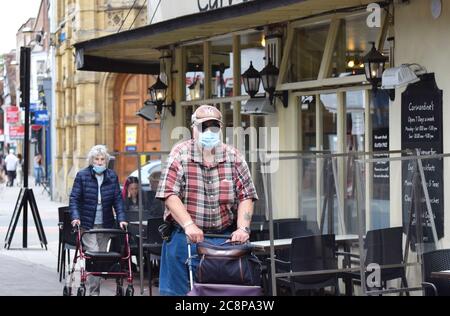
(383, 247)
(307, 254)
(435, 261)
(152, 248)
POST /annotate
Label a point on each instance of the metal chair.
(307, 254)
(435, 261)
(383, 247)
(152, 247)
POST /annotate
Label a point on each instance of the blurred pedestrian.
(11, 162)
(38, 171)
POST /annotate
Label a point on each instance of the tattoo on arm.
(248, 216)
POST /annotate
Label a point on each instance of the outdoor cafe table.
(441, 275)
(263, 247)
(282, 243)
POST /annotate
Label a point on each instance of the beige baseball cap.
(206, 113)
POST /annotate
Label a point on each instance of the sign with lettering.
(159, 11)
(12, 114)
(41, 117)
(380, 142)
(131, 135)
(16, 132)
(421, 123)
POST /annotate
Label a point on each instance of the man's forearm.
(245, 213)
(178, 210)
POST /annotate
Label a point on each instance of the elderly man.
(94, 194)
(207, 188)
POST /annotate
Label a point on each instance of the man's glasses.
(214, 125)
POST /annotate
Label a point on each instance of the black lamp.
(158, 95)
(252, 79)
(374, 63)
(269, 76)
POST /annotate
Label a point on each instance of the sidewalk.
(32, 271)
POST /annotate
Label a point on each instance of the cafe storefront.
(323, 102)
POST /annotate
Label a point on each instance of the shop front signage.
(421, 123)
(17, 132)
(170, 9)
(12, 114)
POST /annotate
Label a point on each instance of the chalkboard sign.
(421, 123)
(380, 142)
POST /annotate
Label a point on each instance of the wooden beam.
(312, 84)
(207, 68)
(238, 98)
(319, 162)
(325, 66)
(286, 54)
(369, 166)
(237, 118)
(384, 30)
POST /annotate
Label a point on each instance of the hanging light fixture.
(158, 95)
(374, 63)
(252, 79)
(269, 77)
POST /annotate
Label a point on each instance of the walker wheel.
(81, 291)
(119, 291)
(67, 291)
(130, 291)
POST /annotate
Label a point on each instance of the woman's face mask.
(99, 164)
(99, 169)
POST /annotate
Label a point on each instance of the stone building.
(91, 107)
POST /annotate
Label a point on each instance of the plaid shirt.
(211, 193)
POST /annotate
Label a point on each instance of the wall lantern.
(252, 79)
(269, 77)
(374, 63)
(158, 95)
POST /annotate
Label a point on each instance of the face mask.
(209, 140)
(99, 169)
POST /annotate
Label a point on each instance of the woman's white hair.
(98, 150)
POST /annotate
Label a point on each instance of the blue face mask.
(209, 139)
(99, 169)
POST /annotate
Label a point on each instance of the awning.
(138, 50)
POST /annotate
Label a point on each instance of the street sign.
(12, 114)
(16, 132)
(41, 117)
(33, 106)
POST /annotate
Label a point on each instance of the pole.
(25, 90)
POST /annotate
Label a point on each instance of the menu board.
(380, 142)
(421, 124)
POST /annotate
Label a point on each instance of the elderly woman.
(94, 194)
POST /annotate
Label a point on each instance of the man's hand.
(123, 225)
(194, 233)
(240, 236)
(76, 222)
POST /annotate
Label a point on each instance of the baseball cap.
(206, 113)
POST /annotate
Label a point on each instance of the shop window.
(307, 51)
(352, 44)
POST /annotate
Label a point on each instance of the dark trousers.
(11, 178)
